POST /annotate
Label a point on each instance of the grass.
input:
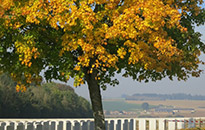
(120, 105)
(194, 129)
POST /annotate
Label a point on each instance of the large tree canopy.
(92, 40)
(70, 38)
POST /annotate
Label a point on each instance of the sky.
(194, 86)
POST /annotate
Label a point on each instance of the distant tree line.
(51, 100)
(151, 96)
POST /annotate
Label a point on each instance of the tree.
(145, 106)
(51, 100)
(92, 40)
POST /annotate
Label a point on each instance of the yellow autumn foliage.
(91, 32)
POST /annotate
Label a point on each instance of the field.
(131, 108)
(120, 105)
(199, 106)
(176, 103)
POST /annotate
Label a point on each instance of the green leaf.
(1, 49)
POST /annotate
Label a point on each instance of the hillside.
(157, 97)
(50, 100)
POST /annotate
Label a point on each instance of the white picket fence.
(111, 124)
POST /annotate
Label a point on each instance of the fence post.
(118, 125)
(88, 122)
(122, 124)
(126, 125)
(53, 125)
(181, 124)
(30, 126)
(106, 125)
(60, 125)
(142, 124)
(84, 125)
(162, 124)
(2, 126)
(20, 126)
(172, 125)
(77, 125)
(92, 125)
(112, 125)
(10, 126)
(64, 124)
(152, 124)
(132, 125)
(69, 126)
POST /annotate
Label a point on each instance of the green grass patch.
(120, 105)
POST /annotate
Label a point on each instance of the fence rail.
(111, 124)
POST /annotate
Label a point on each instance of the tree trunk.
(96, 100)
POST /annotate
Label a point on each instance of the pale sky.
(128, 86)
